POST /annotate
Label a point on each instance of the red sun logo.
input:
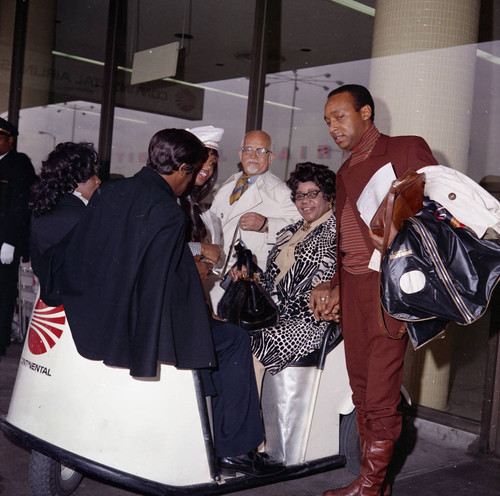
(46, 327)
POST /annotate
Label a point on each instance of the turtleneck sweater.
(356, 255)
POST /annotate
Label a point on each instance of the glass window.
(7, 15)
(313, 47)
(314, 58)
(453, 104)
(208, 86)
(62, 80)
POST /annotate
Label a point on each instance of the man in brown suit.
(374, 362)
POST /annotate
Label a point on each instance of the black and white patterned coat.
(298, 333)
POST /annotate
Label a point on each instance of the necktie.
(239, 189)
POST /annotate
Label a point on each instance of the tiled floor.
(474, 476)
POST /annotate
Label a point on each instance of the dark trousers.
(374, 361)
(8, 295)
(238, 425)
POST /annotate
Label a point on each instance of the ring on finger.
(322, 298)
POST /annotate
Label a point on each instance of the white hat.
(208, 135)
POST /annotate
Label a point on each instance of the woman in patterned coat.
(303, 256)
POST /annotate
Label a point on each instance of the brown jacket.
(404, 152)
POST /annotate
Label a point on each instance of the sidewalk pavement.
(433, 460)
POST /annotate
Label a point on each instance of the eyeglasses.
(260, 152)
(310, 194)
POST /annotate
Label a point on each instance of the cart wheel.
(50, 478)
(349, 442)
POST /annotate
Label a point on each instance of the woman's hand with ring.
(236, 274)
(323, 300)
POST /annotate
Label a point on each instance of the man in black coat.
(130, 288)
(16, 177)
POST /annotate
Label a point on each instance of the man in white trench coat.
(255, 200)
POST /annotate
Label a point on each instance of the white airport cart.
(81, 417)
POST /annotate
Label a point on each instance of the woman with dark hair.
(304, 256)
(67, 181)
(203, 184)
(71, 167)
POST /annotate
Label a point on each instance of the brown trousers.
(374, 361)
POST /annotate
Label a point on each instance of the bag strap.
(391, 195)
(248, 262)
(246, 257)
(231, 248)
(381, 322)
(430, 245)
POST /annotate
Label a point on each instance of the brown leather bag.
(404, 200)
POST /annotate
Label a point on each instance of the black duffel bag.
(434, 271)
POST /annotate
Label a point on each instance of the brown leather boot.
(376, 458)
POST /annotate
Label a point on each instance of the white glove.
(6, 253)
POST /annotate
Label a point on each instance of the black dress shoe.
(253, 463)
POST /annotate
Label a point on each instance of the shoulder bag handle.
(387, 230)
(231, 248)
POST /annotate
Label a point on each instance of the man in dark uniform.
(16, 177)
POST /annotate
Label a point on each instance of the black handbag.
(434, 273)
(245, 302)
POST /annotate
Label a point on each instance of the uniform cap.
(208, 135)
(8, 129)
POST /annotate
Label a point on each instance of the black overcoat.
(130, 288)
(16, 178)
(48, 236)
